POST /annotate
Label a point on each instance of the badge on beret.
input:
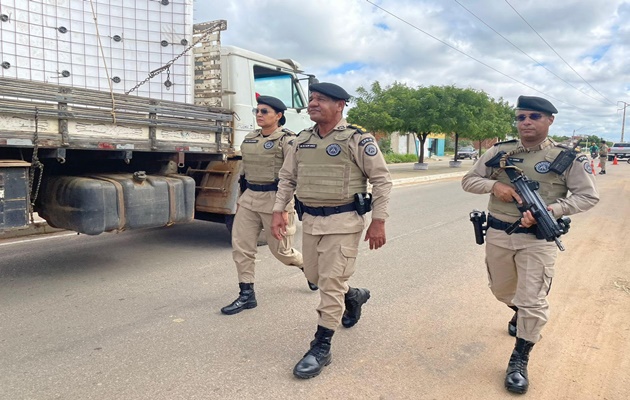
(542, 167)
(268, 145)
(587, 168)
(333, 149)
(371, 150)
(365, 141)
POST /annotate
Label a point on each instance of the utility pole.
(623, 120)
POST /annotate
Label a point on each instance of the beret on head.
(330, 89)
(535, 104)
(272, 102)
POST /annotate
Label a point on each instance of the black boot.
(317, 357)
(516, 375)
(512, 323)
(355, 298)
(246, 300)
(311, 286)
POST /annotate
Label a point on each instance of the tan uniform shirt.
(578, 178)
(264, 201)
(603, 151)
(373, 167)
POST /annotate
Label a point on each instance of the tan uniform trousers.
(245, 231)
(520, 271)
(602, 162)
(329, 261)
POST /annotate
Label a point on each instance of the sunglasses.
(532, 116)
(263, 111)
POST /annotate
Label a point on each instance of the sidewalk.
(438, 168)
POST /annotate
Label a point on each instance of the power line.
(554, 50)
(530, 57)
(471, 57)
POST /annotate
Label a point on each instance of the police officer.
(328, 169)
(263, 152)
(603, 157)
(520, 266)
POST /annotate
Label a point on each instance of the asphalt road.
(136, 315)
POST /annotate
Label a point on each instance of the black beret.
(329, 89)
(535, 104)
(272, 102)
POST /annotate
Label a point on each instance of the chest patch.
(268, 145)
(333, 149)
(307, 146)
(371, 149)
(542, 167)
(250, 141)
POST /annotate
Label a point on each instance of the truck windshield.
(280, 86)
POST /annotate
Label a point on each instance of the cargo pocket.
(548, 275)
(350, 254)
(291, 227)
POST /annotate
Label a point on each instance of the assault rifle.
(548, 227)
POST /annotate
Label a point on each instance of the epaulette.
(289, 131)
(359, 128)
(506, 141)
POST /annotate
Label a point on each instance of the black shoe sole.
(516, 390)
(238, 310)
(313, 375)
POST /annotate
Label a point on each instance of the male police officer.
(603, 157)
(328, 170)
(520, 266)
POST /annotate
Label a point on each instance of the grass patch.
(392, 158)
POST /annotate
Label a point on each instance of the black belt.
(326, 211)
(263, 188)
(502, 226)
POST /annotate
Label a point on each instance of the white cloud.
(327, 36)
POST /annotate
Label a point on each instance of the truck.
(95, 161)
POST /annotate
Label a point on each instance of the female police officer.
(263, 154)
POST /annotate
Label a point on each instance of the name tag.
(307, 146)
(250, 141)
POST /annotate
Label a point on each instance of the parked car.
(621, 150)
(467, 152)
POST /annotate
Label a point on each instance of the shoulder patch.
(371, 149)
(506, 141)
(365, 141)
(581, 158)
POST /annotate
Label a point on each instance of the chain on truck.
(96, 161)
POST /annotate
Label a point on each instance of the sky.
(572, 52)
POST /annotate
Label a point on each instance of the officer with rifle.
(528, 180)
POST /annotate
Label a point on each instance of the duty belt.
(263, 188)
(502, 226)
(326, 211)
